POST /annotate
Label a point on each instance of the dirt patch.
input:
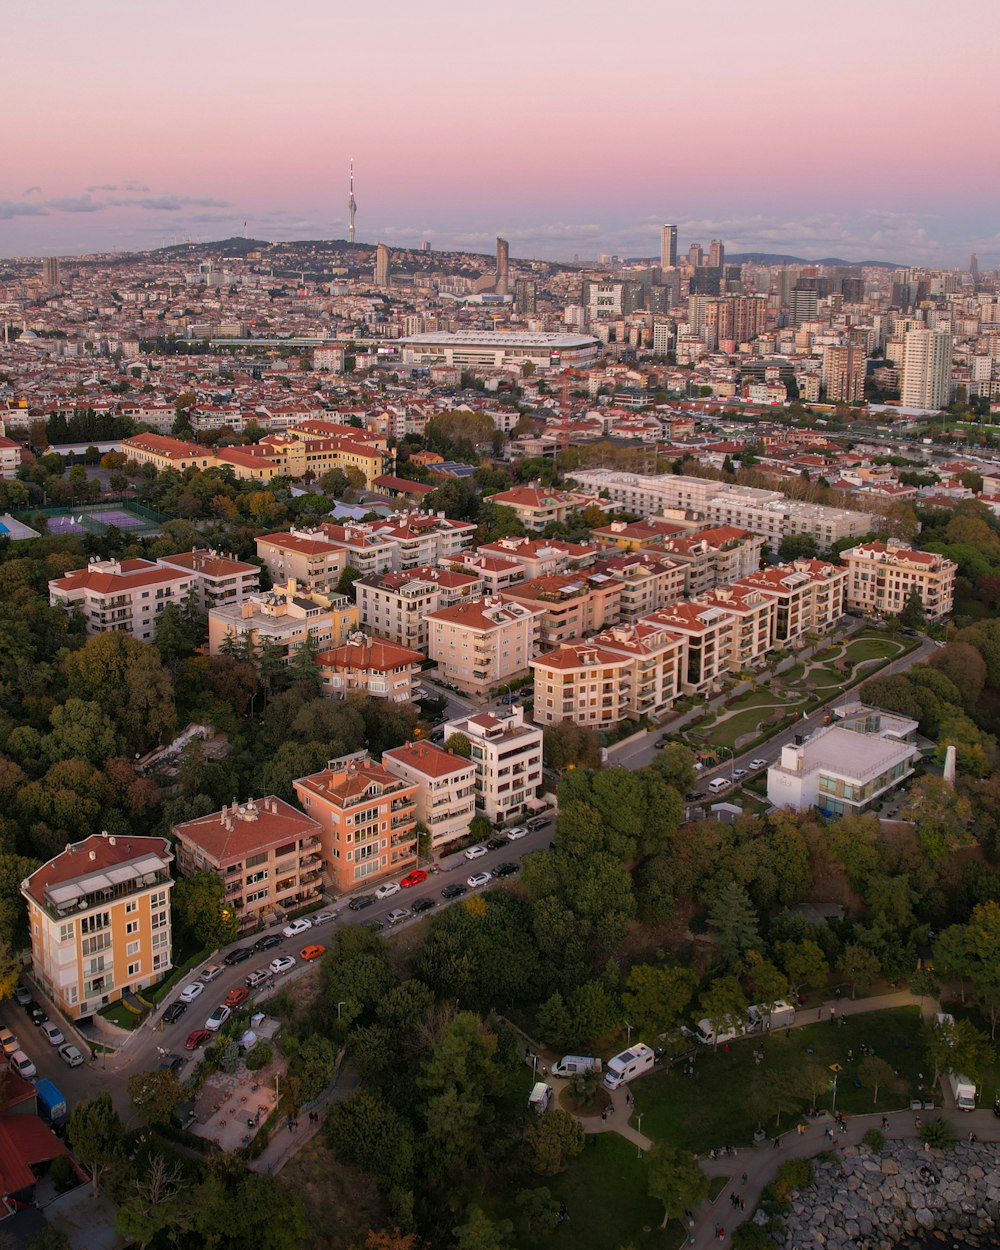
(341, 1203)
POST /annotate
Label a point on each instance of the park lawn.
(606, 1197)
(862, 649)
(710, 1109)
(826, 678)
(750, 721)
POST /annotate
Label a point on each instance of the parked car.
(323, 917)
(375, 926)
(238, 955)
(519, 831)
(174, 1012)
(36, 1015)
(477, 879)
(198, 1038)
(210, 972)
(361, 901)
(171, 1063)
(475, 852)
(282, 964)
(413, 878)
(22, 1065)
(738, 773)
(758, 764)
(8, 1042)
(255, 977)
(398, 916)
(218, 1018)
(422, 905)
(454, 891)
(22, 994)
(268, 942)
(190, 992)
(296, 927)
(495, 843)
(312, 951)
(238, 994)
(53, 1034)
(539, 822)
(70, 1055)
(506, 870)
(388, 889)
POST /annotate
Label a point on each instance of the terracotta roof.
(233, 835)
(306, 546)
(210, 565)
(92, 855)
(372, 655)
(343, 785)
(25, 1143)
(163, 445)
(427, 758)
(101, 582)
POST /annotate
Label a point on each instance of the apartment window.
(91, 945)
(256, 860)
(99, 920)
(132, 926)
(65, 932)
(257, 896)
(131, 907)
(133, 970)
(132, 948)
(159, 920)
(160, 940)
(159, 899)
(257, 876)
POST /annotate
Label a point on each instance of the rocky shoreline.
(872, 1200)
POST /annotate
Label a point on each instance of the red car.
(198, 1038)
(414, 878)
(236, 996)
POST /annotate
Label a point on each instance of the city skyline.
(185, 128)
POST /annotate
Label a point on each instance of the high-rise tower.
(352, 205)
(503, 280)
(974, 268)
(50, 271)
(668, 248)
(383, 272)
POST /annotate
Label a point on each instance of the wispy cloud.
(9, 209)
(168, 203)
(31, 191)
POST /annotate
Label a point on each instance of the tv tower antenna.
(352, 205)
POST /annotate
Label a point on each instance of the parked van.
(540, 1098)
(718, 784)
(570, 1065)
(760, 1020)
(630, 1064)
(704, 1032)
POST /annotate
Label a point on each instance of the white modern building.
(499, 350)
(507, 756)
(446, 788)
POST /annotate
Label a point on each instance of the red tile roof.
(229, 835)
(92, 855)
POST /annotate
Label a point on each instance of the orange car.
(236, 996)
(312, 952)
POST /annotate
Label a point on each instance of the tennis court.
(130, 517)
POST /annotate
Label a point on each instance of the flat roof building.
(498, 350)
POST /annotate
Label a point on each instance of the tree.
(966, 668)
(776, 1092)
(804, 962)
(369, 1133)
(391, 1239)
(675, 1179)
(675, 764)
(913, 615)
(656, 999)
(724, 1005)
(859, 965)
(96, 1135)
(972, 1051)
(568, 744)
(152, 1205)
(731, 914)
(314, 1065)
(157, 1093)
(555, 1139)
(940, 817)
(345, 583)
(199, 909)
(479, 1232)
(797, 547)
(768, 982)
(539, 1211)
(459, 745)
(873, 1073)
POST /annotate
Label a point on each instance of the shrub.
(230, 1056)
(259, 1057)
(751, 1236)
(793, 1174)
(62, 1174)
(874, 1140)
(937, 1134)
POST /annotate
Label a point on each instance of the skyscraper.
(844, 373)
(668, 248)
(352, 205)
(382, 271)
(50, 271)
(716, 254)
(525, 295)
(696, 254)
(503, 250)
(925, 381)
(974, 268)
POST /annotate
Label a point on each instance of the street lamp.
(732, 762)
(339, 1005)
(628, 1038)
(639, 1145)
(833, 1106)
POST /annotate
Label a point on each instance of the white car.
(53, 1033)
(388, 890)
(476, 852)
(282, 963)
(302, 925)
(738, 773)
(479, 878)
(22, 1065)
(519, 831)
(190, 992)
(71, 1055)
(218, 1018)
(755, 764)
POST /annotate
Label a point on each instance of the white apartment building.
(446, 788)
(395, 605)
(507, 757)
(925, 377)
(10, 458)
(404, 540)
(307, 556)
(881, 577)
(123, 595)
(218, 579)
(809, 595)
(482, 644)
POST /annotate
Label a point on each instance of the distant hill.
(778, 258)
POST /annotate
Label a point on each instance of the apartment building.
(881, 577)
(284, 617)
(446, 788)
(367, 818)
(539, 556)
(498, 573)
(726, 631)
(650, 532)
(123, 595)
(482, 644)
(368, 666)
(164, 452)
(266, 852)
(809, 596)
(624, 672)
(713, 556)
(394, 605)
(10, 458)
(571, 604)
(648, 581)
(507, 756)
(307, 556)
(99, 921)
(536, 507)
(219, 580)
(404, 540)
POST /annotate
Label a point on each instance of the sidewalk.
(286, 1142)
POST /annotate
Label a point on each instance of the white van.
(704, 1032)
(760, 1020)
(628, 1065)
(570, 1065)
(718, 784)
(540, 1098)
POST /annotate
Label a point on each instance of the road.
(142, 1049)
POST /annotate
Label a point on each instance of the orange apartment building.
(266, 852)
(726, 631)
(164, 452)
(368, 666)
(99, 920)
(570, 604)
(367, 817)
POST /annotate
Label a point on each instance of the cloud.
(134, 186)
(75, 204)
(10, 209)
(169, 203)
(103, 186)
(30, 191)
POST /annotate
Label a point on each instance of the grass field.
(711, 1109)
(862, 649)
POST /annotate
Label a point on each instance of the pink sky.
(864, 130)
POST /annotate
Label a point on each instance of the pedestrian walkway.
(617, 1120)
(286, 1141)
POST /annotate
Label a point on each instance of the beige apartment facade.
(882, 576)
(570, 604)
(446, 788)
(507, 756)
(481, 645)
(306, 556)
(394, 605)
(127, 596)
(809, 596)
(284, 617)
(219, 580)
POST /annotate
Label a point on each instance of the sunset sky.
(867, 129)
